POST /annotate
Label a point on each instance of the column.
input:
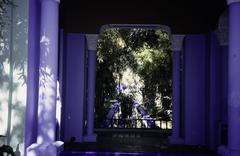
(48, 69)
(33, 74)
(234, 79)
(177, 44)
(195, 90)
(74, 85)
(92, 52)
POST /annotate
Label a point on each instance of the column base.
(45, 149)
(175, 140)
(90, 138)
(224, 151)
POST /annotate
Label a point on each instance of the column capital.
(177, 42)
(92, 40)
(232, 1)
(58, 1)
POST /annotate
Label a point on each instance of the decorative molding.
(92, 40)
(232, 1)
(222, 31)
(177, 42)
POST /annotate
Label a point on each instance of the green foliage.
(147, 53)
(3, 11)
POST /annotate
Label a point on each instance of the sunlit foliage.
(145, 52)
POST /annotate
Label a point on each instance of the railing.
(137, 123)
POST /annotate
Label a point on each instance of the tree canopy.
(3, 11)
(144, 53)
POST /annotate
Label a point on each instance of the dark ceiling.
(183, 17)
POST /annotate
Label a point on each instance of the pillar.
(92, 52)
(177, 44)
(234, 79)
(48, 69)
(233, 148)
(33, 74)
(74, 84)
(195, 89)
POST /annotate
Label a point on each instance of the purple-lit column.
(177, 44)
(234, 79)
(48, 69)
(92, 52)
(33, 74)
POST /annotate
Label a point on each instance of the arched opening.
(134, 78)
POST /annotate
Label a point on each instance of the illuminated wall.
(13, 74)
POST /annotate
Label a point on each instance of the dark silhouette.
(6, 149)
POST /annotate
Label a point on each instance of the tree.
(155, 68)
(112, 59)
(3, 10)
(147, 53)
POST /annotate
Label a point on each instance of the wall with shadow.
(195, 70)
(13, 74)
(74, 53)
